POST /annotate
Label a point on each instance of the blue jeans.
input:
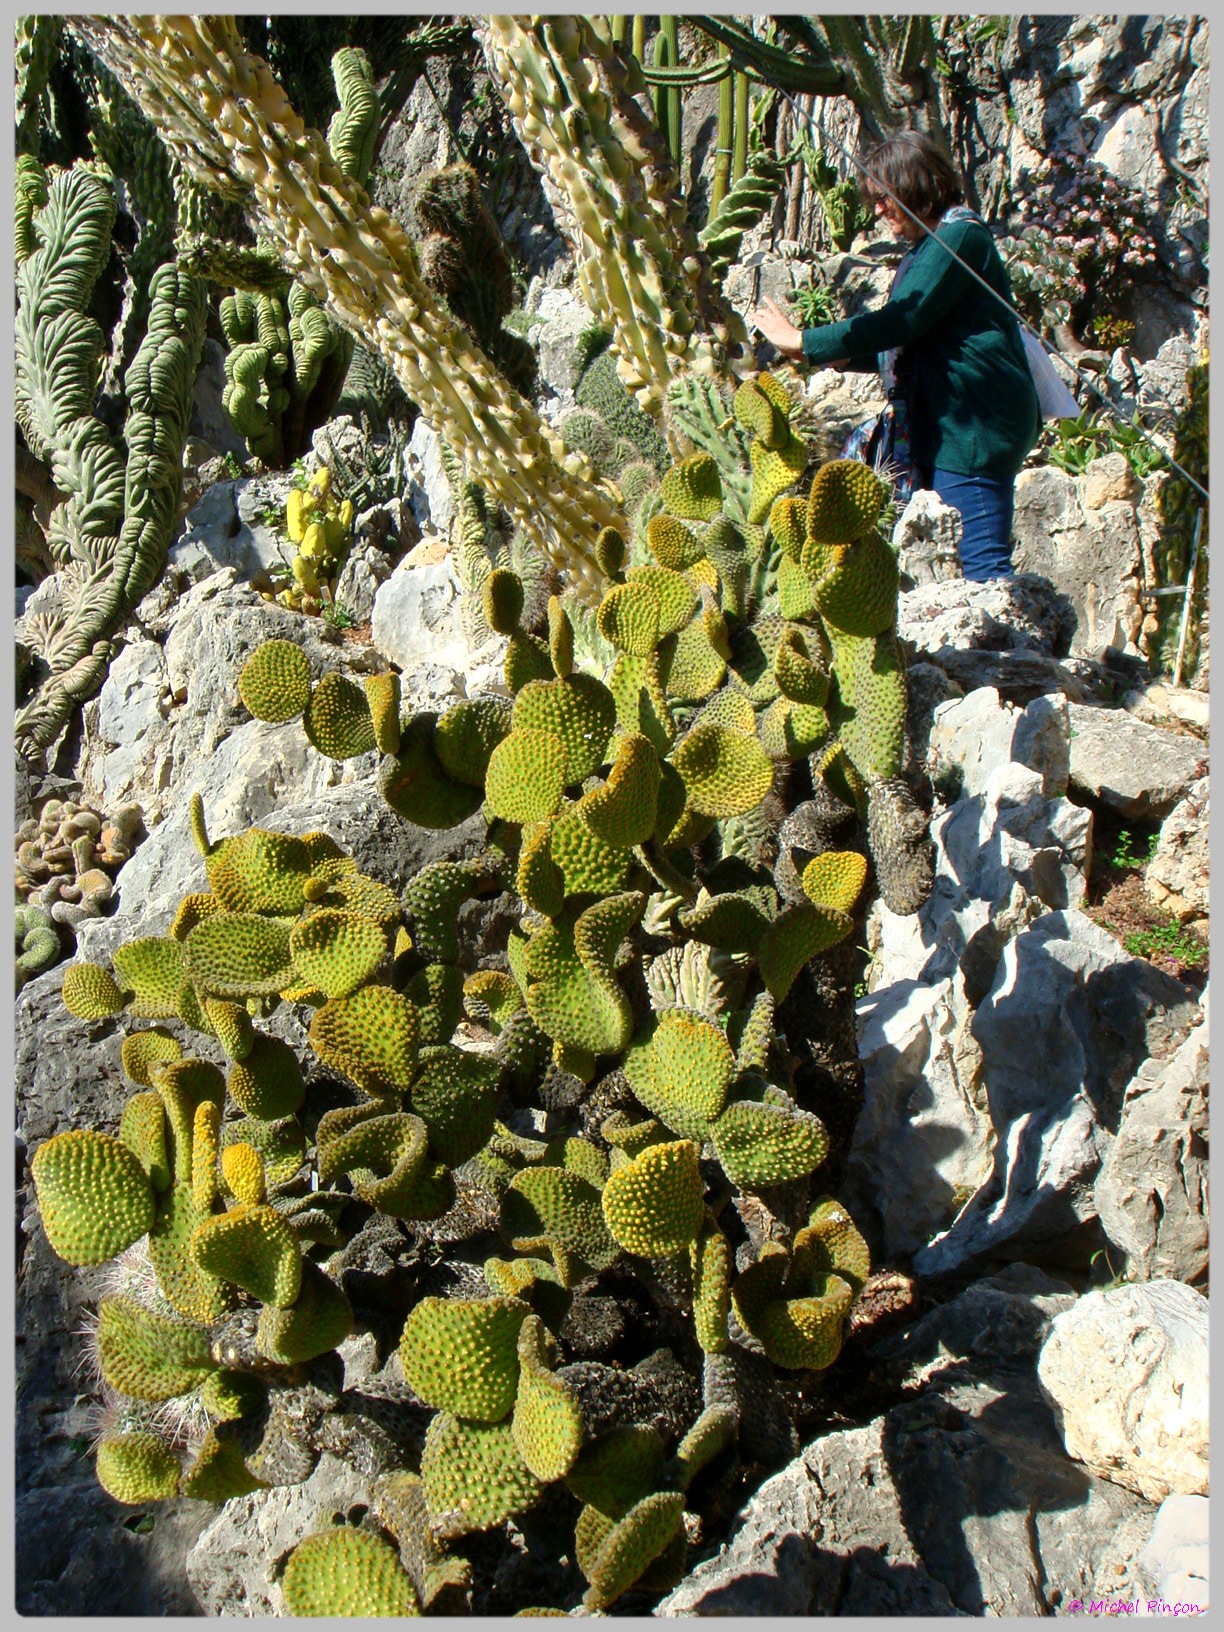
(986, 505)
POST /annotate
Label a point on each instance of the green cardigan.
(973, 405)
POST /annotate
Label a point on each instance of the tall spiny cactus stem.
(222, 113)
(571, 94)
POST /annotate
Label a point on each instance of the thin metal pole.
(1185, 617)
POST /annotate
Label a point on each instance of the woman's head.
(911, 168)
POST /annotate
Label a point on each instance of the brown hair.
(913, 169)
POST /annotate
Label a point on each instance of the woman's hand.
(777, 329)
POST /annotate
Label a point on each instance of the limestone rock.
(1136, 769)
(1178, 877)
(1175, 1561)
(417, 625)
(429, 492)
(976, 734)
(557, 322)
(926, 687)
(1126, 1371)
(959, 1500)
(1067, 1022)
(1006, 633)
(1152, 1190)
(925, 538)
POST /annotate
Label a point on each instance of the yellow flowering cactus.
(321, 526)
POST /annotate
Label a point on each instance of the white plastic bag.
(1056, 401)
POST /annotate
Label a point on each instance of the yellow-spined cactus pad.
(579, 709)
(136, 1468)
(184, 1284)
(572, 993)
(219, 1471)
(797, 676)
(474, 1476)
(94, 1196)
(238, 955)
(337, 951)
(692, 489)
(371, 1037)
(831, 1242)
(858, 590)
(491, 996)
(835, 880)
(151, 968)
(282, 1144)
(205, 1130)
(764, 419)
(90, 992)
(461, 1354)
(383, 698)
(792, 730)
(142, 1050)
(725, 773)
(347, 1572)
(232, 1026)
(795, 597)
(677, 598)
(788, 526)
(693, 666)
(547, 1421)
(636, 683)
(711, 1264)
(148, 1357)
(796, 935)
(191, 909)
(386, 1155)
(543, 1205)
(527, 775)
(773, 471)
(338, 721)
(588, 864)
(501, 599)
(683, 1072)
(275, 682)
(466, 735)
(672, 544)
(255, 1249)
(654, 1205)
(268, 1082)
(560, 638)
(846, 499)
(414, 784)
(614, 1472)
(632, 1546)
(319, 1319)
(629, 617)
(260, 871)
(244, 1173)
(805, 1334)
(763, 1145)
(455, 1095)
(142, 1128)
(871, 699)
(732, 709)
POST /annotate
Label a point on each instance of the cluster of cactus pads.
(619, 1121)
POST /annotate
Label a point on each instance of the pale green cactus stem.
(571, 94)
(221, 112)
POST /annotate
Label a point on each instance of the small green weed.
(813, 306)
(1168, 940)
(234, 467)
(1115, 1278)
(339, 615)
(1124, 856)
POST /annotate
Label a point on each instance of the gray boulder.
(417, 624)
(960, 1499)
(1005, 633)
(1136, 769)
(925, 538)
(1175, 1563)
(1151, 1194)
(976, 734)
(1178, 877)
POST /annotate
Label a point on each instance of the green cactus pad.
(543, 1205)
(228, 1395)
(281, 1143)
(756, 1035)
(580, 710)
(788, 527)
(94, 1196)
(336, 951)
(846, 499)
(255, 1249)
(147, 1356)
(672, 544)
(805, 1334)
(547, 1422)
(232, 1026)
(433, 898)
(654, 1204)
(795, 597)
(692, 490)
(137, 1468)
(588, 864)
(460, 1354)
(725, 773)
(90, 992)
(491, 997)
(615, 1472)
(527, 775)
(347, 1572)
(869, 712)
(238, 955)
(319, 1320)
(773, 471)
(710, 1263)
(629, 617)
(268, 1083)
(371, 1036)
(692, 664)
(184, 1285)
(275, 682)
(792, 730)
(206, 1124)
(455, 1095)
(260, 872)
(501, 598)
(436, 992)
(572, 994)
(763, 1145)
(535, 1282)
(387, 1156)
(219, 1471)
(712, 1433)
(416, 787)
(152, 970)
(677, 597)
(637, 686)
(798, 677)
(832, 1242)
(835, 879)
(382, 693)
(735, 921)
(338, 721)
(732, 709)
(682, 1073)
(466, 736)
(762, 411)
(632, 1546)
(796, 935)
(474, 1477)
(244, 1173)
(560, 638)
(190, 910)
(527, 659)
(142, 1128)
(857, 591)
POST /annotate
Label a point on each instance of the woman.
(953, 351)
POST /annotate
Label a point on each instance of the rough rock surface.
(976, 734)
(1067, 1022)
(1178, 877)
(417, 625)
(1126, 1372)
(1151, 1194)
(1008, 633)
(1175, 1561)
(960, 1498)
(925, 538)
(1136, 769)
